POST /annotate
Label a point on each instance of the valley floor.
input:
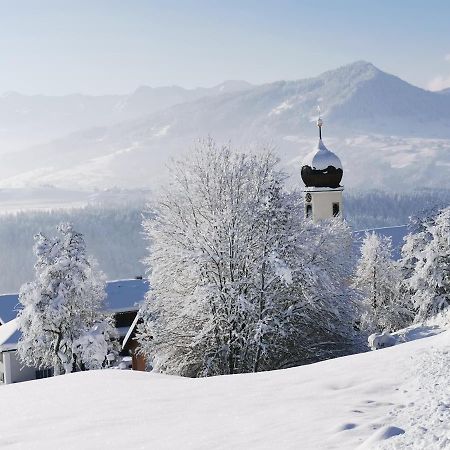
(394, 398)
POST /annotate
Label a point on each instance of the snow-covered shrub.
(126, 363)
(95, 347)
(377, 341)
(426, 262)
(377, 278)
(240, 281)
(62, 320)
(429, 327)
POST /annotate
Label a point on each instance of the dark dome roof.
(322, 168)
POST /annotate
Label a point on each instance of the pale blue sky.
(114, 46)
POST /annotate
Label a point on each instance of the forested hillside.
(376, 209)
(113, 233)
(113, 237)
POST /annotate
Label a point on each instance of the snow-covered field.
(394, 398)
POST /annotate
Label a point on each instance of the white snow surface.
(395, 398)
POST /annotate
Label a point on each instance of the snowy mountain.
(30, 119)
(392, 398)
(387, 132)
(146, 100)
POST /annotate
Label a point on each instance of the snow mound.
(397, 398)
(381, 435)
(431, 327)
(381, 340)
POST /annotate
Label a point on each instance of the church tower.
(322, 173)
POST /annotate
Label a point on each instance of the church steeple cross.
(319, 123)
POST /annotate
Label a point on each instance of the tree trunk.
(74, 363)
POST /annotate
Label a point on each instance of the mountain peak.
(357, 68)
(361, 64)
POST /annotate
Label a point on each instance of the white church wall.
(322, 204)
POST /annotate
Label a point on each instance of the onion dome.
(321, 168)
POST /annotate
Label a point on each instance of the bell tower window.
(335, 209)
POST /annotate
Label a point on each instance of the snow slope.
(394, 398)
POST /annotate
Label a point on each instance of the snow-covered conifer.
(62, 317)
(240, 281)
(426, 255)
(378, 279)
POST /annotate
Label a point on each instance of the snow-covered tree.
(113, 234)
(96, 345)
(240, 281)
(426, 258)
(378, 279)
(62, 318)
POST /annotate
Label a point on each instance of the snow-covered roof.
(321, 158)
(321, 168)
(125, 295)
(9, 335)
(8, 307)
(121, 295)
(131, 329)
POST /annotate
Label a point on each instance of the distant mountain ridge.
(28, 119)
(388, 133)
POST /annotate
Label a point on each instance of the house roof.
(121, 296)
(131, 330)
(9, 304)
(125, 295)
(9, 335)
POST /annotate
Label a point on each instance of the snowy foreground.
(395, 398)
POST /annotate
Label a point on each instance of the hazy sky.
(97, 47)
